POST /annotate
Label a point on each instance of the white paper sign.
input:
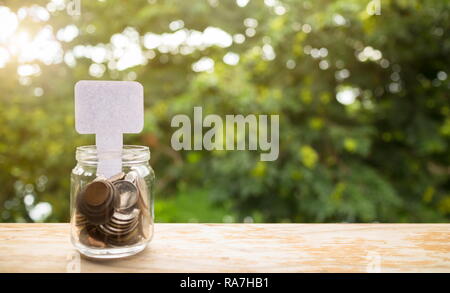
(108, 109)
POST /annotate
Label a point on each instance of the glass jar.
(112, 217)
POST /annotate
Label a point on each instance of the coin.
(144, 227)
(126, 196)
(96, 243)
(122, 231)
(96, 201)
(125, 218)
(100, 177)
(131, 176)
(83, 236)
(80, 220)
(110, 231)
(143, 192)
(120, 226)
(88, 238)
(124, 221)
(114, 212)
(121, 240)
(143, 205)
(96, 193)
(94, 232)
(116, 177)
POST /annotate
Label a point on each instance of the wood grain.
(241, 248)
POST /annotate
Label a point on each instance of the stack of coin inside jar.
(113, 211)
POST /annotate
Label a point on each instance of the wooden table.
(241, 248)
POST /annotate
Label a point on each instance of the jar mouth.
(131, 154)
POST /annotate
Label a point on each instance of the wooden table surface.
(241, 248)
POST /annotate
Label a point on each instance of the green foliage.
(377, 153)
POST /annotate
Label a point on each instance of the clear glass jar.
(112, 217)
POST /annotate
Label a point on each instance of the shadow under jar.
(112, 217)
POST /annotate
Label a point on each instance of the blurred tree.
(363, 103)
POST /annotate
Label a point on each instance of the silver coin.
(122, 226)
(132, 176)
(130, 238)
(126, 197)
(125, 218)
(124, 222)
(108, 229)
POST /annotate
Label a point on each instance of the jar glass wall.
(112, 217)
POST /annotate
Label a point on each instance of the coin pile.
(113, 212)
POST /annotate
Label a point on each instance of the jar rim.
(131, 154)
